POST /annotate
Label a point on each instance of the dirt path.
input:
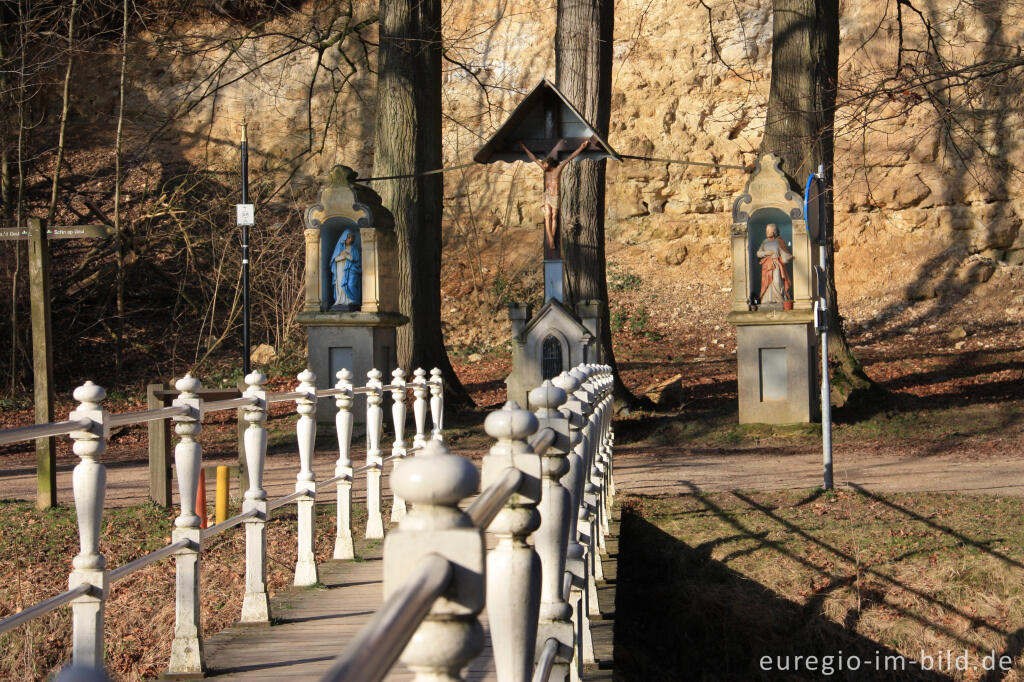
(646, 471)
(642, 470)
(128, 482)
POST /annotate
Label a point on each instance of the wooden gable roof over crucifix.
(539, 122)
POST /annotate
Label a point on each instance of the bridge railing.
(89, 427)
(550, 476)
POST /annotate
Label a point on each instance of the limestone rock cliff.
(920, 199)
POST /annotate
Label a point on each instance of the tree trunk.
(118, 228)
(583, 68)
(65, 108)
(799, 128)
(407, 140)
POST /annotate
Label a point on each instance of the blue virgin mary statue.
(347, 272)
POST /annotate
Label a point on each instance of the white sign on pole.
(245, 214)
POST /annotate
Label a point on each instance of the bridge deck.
(313, 625)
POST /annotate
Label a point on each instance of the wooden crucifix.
(546, 121)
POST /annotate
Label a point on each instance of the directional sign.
(42, 340)
(61, 232)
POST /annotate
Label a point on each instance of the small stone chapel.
(773, 300)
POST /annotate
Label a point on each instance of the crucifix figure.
(552, 180)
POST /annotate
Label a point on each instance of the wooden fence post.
(159, 461)
(42, 361)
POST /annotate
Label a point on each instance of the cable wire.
(683, 162)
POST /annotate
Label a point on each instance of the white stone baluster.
(305, 506)
(187, 647)
(420, 391)
(256, 602)
(513, 567)
(343, 548)
(604, 443)
(398, 447)
(435, 481)
(587, 522)
(437, 403)
(89, 482)
(552, 538)
(578, 557)
(601, 466)
(374, 425)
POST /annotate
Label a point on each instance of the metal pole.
(245, 254)
(826, 387)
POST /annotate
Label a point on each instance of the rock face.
(917, 193)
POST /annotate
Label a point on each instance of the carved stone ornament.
(767, 185)
(339, 200)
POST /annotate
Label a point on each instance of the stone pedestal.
(776, 359)
(357, 341)
(362, 338)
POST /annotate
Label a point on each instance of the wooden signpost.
(42, 340)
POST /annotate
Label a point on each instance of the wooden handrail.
(489, 503)
(369, 656)
(8, 436)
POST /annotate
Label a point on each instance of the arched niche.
(757, 231)
(769, 199)
(346, 205)
(330, 233)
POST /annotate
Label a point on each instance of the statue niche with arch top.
(783, 261)
(350, 242)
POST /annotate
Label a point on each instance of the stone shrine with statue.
(773, 301)
(350, 313)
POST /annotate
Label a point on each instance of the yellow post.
(223, 483)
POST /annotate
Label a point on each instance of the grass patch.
(36, 549)
(711, 583)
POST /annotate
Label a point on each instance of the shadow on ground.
(682, 615)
